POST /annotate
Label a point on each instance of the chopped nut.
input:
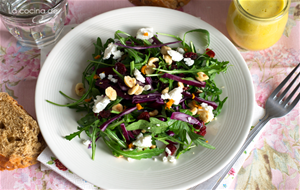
(164, 50)
(152, 146)
(120, 156)
(180, 84)
(166, 90)
(201, 76)
(194, 110)
(143, 131)
(152, 60)
(134, 89)
(168, 59)
(153, 113)
(118, 107)
(191, 105)
(130, 82)
(79, 89)
(111, 93)
(139, 91)
(149, 69)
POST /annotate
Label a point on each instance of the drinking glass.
(34, 23)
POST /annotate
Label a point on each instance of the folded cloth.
(50, 162)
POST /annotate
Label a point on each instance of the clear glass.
(251, 32)
(35, 23)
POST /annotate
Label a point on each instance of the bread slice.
(20, 138)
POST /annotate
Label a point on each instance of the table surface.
(274, 161)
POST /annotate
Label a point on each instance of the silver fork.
(276, 106)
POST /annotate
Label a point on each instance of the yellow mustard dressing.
(261, 31)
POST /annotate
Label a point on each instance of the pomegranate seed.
(172, 148)
(120, 67)
(202, 131)
(190, 55)
(210, 53)
(104, 113)
(145, 116)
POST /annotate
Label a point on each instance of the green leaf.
(155, 126)
(197, 141)
(135, 154)
(50, 162)
(203, 37)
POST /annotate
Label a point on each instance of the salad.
(145, 98)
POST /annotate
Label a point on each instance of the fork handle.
(249, 139)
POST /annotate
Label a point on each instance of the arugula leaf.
(197, 141)
(155, 126)
(73, 135)
(135, 154)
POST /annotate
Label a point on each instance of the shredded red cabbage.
(106, 123)
(145, 98)
(146, 47)
(200, 100)
(185, 117)
(189, 82)
(125, 132)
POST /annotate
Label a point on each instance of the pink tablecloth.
(273, 163)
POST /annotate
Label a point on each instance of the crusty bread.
(20, 139)
(173, 4)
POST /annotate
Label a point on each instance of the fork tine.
(288, 88)
(286, 101)
(275, 92)
(296, 100)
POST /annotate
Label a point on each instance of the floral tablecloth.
(274, 162)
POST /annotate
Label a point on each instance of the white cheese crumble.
(189, 119)
(174, 94)
(206, 113)
(112, 50)
(168, 151)
(144, 33)
(157, 125)
(147, 87)
(112, 79)
(176, 56)
(100, 103)
(143, 142)
(129, 159)
(172, 159)
(164, 159)
(138, 75)
(155, 159)
(102, 75)
(188, 61)
(86, 142)
(180, 50)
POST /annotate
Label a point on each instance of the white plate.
(63, 69)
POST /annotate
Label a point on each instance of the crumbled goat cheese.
(144, 33)
(188, 61)
(86, 142)
(176, 56)
(206, 113)
(138, 75)
(100, 103)
(129, 159)
(180, 50)
(143, 142)
(155, 159)
(164, 159)
(174, 94)
(112, 79)
(112, 50)
(168, 151)
(102, 75)
(147, 87)
(172, 159)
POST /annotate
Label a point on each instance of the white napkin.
(50, 162)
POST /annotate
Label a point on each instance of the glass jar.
(257, 24)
